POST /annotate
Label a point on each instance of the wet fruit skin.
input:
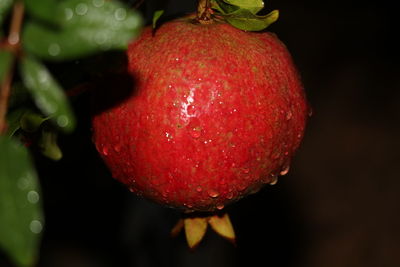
(215, 113)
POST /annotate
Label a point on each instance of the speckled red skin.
(216, 113)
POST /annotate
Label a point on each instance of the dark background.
(337, 207)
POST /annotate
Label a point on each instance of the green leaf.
(87, 27)
(245, 20)
(13, 121)
(21, 216)
(6, 60)
(223, 7)
(5, 6)
(253, 6)
(156, 16)
(45, 10)
(48, 144)
(31, 121)
(47, 93)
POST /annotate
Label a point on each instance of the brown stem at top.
(12, 44)
(204, 12)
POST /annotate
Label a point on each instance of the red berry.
(215, 113)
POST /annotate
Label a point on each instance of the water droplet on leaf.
(69, 13)
(98, 3)
(54, 49)
(120, 14)
(35, 226)
(62, 121)
(81, 9)
(33, 197)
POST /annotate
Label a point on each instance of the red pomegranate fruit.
(214, 114)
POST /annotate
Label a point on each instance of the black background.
(339, 204)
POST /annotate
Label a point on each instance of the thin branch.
(16, 23)
(137, 4)
(13, 44)
(4, 95)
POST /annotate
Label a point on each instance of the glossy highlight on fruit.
(214, 114)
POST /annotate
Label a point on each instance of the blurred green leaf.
(245, 20)
(157, 14)
(47, 94)
(5, 6)
(45, 10)
(14, 121)
(253, 6)
(21, 216)
(48, 144)
(87, 27)
(31, 121)
(6, 60)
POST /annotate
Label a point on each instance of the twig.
(13, 45)
(137, 4)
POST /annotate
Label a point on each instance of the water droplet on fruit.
(274, 180)
(285, 170)
(81, 9)
(194, 129)
(199, 189)
(117, 148)
(289, 115)
(229, 195)
(246, 170)
(105, 151)
(310, 111)
(191, 109)
(213, 193)
(242, 187)
(276, 155)
(220, 206)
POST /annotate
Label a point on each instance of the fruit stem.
(204, 12)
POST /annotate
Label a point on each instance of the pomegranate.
(214, 114)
